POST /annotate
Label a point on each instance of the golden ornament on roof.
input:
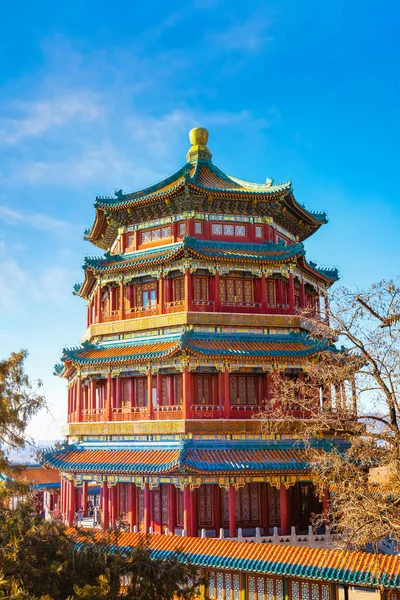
(198, 136)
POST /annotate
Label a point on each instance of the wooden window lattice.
(200, 289)
(178, 289)
(206, 505)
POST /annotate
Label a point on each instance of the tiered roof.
(192, 457)
(201, 180)
(256, 255)
(231, 346)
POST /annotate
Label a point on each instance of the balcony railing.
(203, 306)
(111, 315)
(130, 413)
(93, 414)
(176, 306)
(241, 307)
(165, 413)
(142, 311)
(240, 411)
(204, 411)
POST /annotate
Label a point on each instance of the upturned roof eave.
(196, 249)
(186, 343)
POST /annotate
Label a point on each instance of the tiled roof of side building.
(338, 566)
(37, 476)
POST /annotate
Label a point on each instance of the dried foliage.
(351, 397)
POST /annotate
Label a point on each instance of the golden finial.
(198, 138)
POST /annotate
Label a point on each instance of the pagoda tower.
(194, 306)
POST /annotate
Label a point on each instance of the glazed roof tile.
(234, 345)
(37, 476)
(114, 461)
(338, 566)
(245, 460)
(237, 459)
(205, 176)
(261, 253)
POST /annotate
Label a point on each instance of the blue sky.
(98, 96)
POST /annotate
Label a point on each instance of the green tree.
(20, 400)
(38, 558)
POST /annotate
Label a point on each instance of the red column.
(326, 300)
(217, 292)
(217, 509)
(85, 498)
(104, 508)
(99, 315)
(303, 302)
(186, 510)
(71, 503)
(291, 293)
(232, 511)
(118, 392)
(114, 505)
(159, 389)
(264, 299)
(263, 491)
(79, 398)
(132, 506)
(186, 399)
(62, 499)
(171, 508)
(149, 394)
(170, 390)
(227, 401)
(194, 524)
(161, 301)
(92, 394)
(121, 301)
(146, 502)
(108, 411)
(285, 514)
(188, 290)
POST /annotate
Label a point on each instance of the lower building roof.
(36, 476)
(225, 459)
(338, 566)
(289, 346)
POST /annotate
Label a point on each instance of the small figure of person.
(80, 517)
(96, 516)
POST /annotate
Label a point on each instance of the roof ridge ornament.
(198, 151)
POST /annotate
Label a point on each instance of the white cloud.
(35, 220)
(249, 36)
(13, 281)
(39, 116)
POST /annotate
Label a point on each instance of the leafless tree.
(349, 393)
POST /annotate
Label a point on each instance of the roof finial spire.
(198, 151)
